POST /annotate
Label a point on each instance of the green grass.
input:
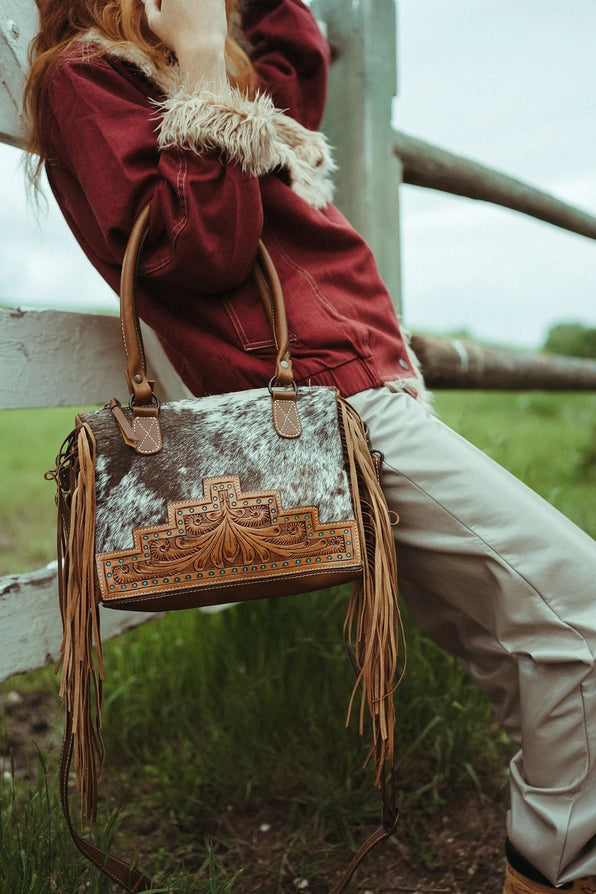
(547, 440)
(29, 443)
(214, 722)
(36, 852)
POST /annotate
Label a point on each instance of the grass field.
(216, 723)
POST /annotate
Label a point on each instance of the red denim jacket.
(222, 173)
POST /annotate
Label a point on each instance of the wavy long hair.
(121, 21)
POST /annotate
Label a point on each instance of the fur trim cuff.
(228, 122)
(250, 133)
(308, 160)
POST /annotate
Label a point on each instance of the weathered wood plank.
(54, 358)
(31, 626)
(452, 363)
(427, 165)
(18, 25)
(362, 84)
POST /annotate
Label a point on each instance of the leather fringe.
(82, 674)
(373, 628)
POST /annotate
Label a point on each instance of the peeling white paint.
(18, 25)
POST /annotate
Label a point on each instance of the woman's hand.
(195, 30)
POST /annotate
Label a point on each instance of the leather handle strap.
(377, 837)
(269, 286)
(124, 874)
(270, 292)
(134, 881)
(132, 340)
(390, 817)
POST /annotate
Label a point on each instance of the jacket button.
(404, 363)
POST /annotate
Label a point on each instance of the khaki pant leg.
(497, 576)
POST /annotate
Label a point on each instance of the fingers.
(152, 9)
(184, 22)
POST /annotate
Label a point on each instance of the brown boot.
(516, 883)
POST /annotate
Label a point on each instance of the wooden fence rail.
(52, 358)
(30, 625)
(426, 165)
(453, 363)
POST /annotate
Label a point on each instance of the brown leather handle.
(266, 280)
(132, 340)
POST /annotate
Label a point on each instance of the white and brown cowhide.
(214, 437)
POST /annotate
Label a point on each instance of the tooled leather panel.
(226, 538)
(134, 490)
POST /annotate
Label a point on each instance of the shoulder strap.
(124, 874)
(133, 880)
(385, 831)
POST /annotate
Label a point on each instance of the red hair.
(121, 21)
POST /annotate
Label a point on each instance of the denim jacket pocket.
(252, 328)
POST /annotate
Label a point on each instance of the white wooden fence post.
(362, 84)
(18, 25)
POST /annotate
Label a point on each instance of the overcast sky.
(510, 83)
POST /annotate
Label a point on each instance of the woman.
(131, 101)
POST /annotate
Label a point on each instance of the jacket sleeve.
(291, 56)
(114, 141)
(101, 132)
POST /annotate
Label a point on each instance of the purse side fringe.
(373, 628)
(82, 673)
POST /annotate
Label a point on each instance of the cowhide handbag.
(213, 500)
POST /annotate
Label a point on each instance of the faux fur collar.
(248, 132)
